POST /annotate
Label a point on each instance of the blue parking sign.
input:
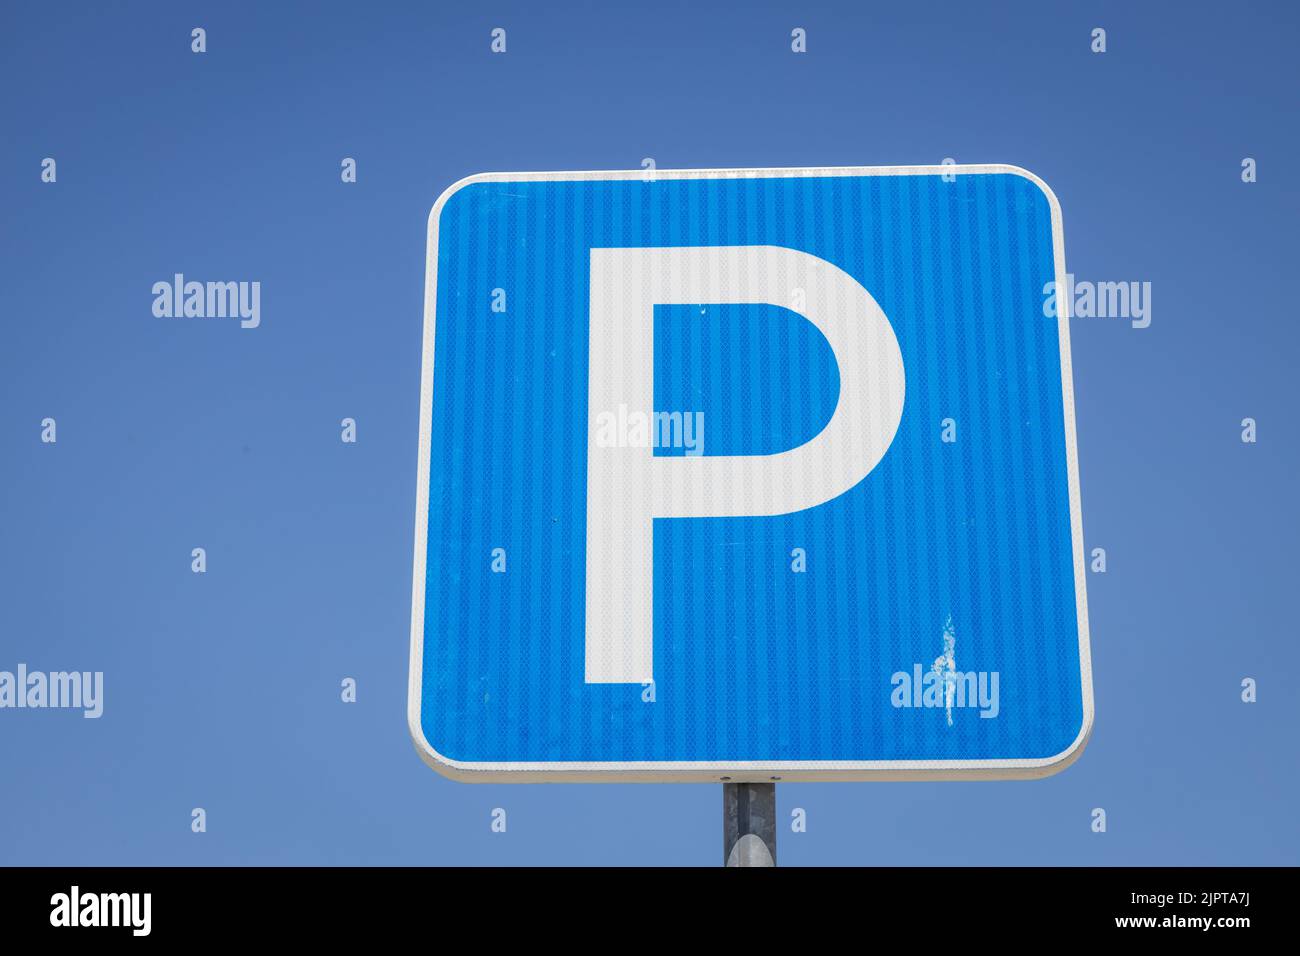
(748, 475)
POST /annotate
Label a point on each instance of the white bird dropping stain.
(945, 667)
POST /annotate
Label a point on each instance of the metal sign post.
(749, 824)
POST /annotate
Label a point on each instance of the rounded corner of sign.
(1011, 169)
(450, 191)
(1054, 765)
(445, 766)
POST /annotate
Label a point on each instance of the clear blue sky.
(222, 689)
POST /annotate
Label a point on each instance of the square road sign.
(748, 475)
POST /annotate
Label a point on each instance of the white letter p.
(628, 487)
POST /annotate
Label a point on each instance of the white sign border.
(759, 771)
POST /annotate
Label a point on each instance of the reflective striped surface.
(754, 662)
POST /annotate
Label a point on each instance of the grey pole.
(749, 824)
